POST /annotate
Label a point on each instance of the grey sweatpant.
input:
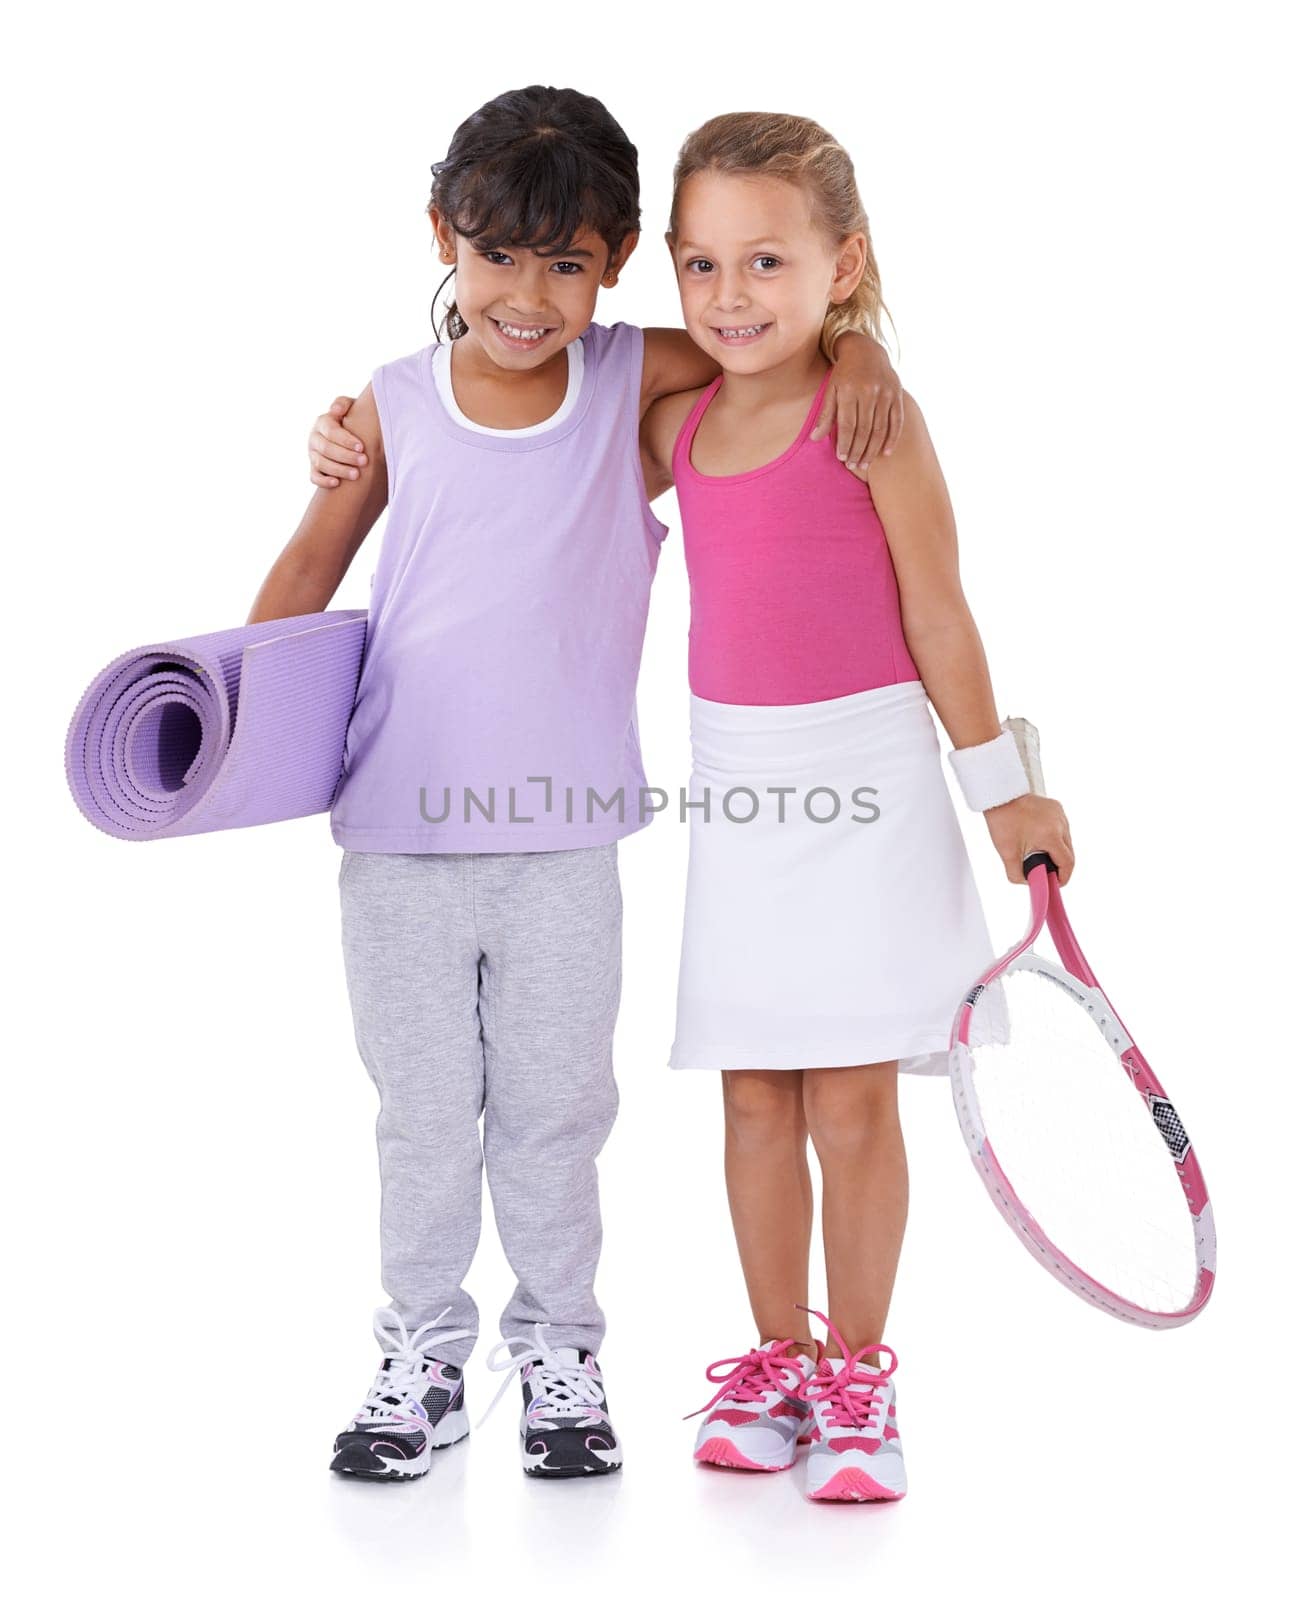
(488, 984)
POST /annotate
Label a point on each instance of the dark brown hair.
(530, 170)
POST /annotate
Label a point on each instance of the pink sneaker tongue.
(827, 1366)
(805, 1361)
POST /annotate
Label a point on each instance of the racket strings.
(1072, 1133)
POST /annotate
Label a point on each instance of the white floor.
(1032, 1470)
(201, 1271)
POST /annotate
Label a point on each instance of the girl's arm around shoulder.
(312, 564)
(659, 430)
(672, 363)
(863, 404)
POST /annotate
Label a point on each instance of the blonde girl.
(831, 912)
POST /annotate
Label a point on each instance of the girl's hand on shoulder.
(1032, 822)
(863, 401)
(335, 452)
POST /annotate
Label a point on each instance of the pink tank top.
(793, 593)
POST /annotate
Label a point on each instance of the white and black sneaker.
(565, 1429)
(416, 1404)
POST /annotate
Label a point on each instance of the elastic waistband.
(817, 736)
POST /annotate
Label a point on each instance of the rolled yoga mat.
(223, 730)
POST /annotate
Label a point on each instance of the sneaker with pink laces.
(759, 1415)
(854, 1451)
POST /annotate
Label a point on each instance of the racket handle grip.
(1034, 858)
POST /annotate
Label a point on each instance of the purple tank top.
(496, 706)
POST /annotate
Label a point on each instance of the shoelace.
(404, 1367)
(563, 1388)
(851, 1396)
(752, 1375)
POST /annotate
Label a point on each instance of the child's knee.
(848, 1110)
(762, 1108)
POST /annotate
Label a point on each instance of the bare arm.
(659, 430)
(672, 362)
(336, 522)
(911, 498)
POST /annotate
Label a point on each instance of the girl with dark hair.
(492, 761)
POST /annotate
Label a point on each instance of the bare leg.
(852, 1117)
(770, 1191)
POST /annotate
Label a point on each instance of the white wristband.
(990, 774)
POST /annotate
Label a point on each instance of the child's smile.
(523, 306)
(753, 269)
(746, 335)
(518, 335)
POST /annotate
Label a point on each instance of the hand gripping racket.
(1069, 1128)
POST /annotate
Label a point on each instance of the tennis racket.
(1070, 1129)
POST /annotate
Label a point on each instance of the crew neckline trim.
(580, 381)
(442, 371)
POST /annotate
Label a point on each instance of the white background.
(215, 223)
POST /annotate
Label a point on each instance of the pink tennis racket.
(1080, 1149)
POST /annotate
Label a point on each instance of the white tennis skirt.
(832, 917)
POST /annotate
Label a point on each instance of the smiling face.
(755, 272)
(522, 306)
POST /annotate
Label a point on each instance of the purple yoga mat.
(223, 730)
